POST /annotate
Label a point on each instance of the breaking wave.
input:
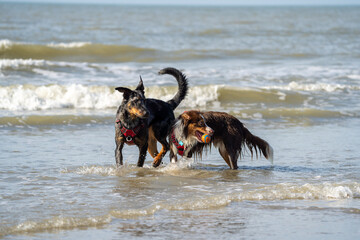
(315, 87)
(77, 96)
(76, 51)
(96, 52)
(21, 63)
(280, 191)
(82, 104)
(55, 223)
(32, 97)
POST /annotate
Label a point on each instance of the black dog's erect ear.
(125, 91)
(140, 86)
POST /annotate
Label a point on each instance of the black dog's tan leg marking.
(159, 157)
(152, 142)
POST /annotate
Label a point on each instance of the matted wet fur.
(150, 119)
(228, 134)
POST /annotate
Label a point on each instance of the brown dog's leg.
(159, 157)
(225, 155)
(233, 160)
(229, 156)
(173, 157)
(152, 142)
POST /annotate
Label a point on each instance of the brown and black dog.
(143, 121)
(227, 133)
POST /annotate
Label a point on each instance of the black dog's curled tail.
(255, 143)
(182, 83)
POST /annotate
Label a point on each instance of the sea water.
(290, 74)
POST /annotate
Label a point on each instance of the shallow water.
(76, 189)
(292, 82)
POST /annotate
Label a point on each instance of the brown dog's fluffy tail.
(182, 83)
(259, 145)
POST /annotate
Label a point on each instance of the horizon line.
(180, 4)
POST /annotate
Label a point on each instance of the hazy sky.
(205, 2)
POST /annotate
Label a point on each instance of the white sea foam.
(172, 168)
(69, 45)
(354, 76)
(283, 191)
(198, 96)
(218, 199)
(30, 97)
(5, 44)
(314, 87)
(49, 74)
(97, 170)
(24, 97)
(57, 223)
(21, 63)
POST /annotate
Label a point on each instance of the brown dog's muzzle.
(209, 131)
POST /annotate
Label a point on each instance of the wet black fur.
(230, 136)
(158, 115)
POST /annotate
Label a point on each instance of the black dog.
(143, 121)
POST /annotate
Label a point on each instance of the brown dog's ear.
(185, 117)
(140, 86)
(125, 91)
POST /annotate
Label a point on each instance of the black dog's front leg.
(142, 154)
(118, 153)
